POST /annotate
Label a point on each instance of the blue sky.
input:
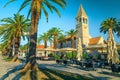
(97, 11)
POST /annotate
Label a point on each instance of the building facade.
(82, 28)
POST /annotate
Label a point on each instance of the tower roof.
(81, 12)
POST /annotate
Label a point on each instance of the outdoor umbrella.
(50, 49)
(79, 49)
(67, 49)
(112, 49)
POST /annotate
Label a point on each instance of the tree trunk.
(112, 49)
(72, 42)
(45, 43)
(5, 52)
(55, 41)
(10, 51)
(16, 46)
(31, 58)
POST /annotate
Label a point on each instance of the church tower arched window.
(80, 19)
(82, 26)
(83, 20)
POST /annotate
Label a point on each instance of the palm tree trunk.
(72, 42)
(16, 46)
(55, 41)
(5, 52)
(45, 43)
(10, 51)
(112, 49)
(31, 58)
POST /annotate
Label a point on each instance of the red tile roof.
(51, 47)
(40, 46)
(93, 41)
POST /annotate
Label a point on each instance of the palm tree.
(36, 6)
(5, 42)
(14, 29)
(111, 25)
(24, 47)
(45, 37)
(72, 34)
(61, 39)
(4, 48)
(55, 32)
(39, 41)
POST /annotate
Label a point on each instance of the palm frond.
(10, 1)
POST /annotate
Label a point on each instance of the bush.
(99, 56)
(71, 55)
(84, 55)
(51, 55)
(56, 57)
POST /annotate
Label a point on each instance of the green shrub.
(56, 57)
(51, 55)
(74, 54)
(99, 56)
(69, 55)
(84, 55)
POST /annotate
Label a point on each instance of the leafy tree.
(72, 34)
(61, 39)
(111, 25)
(45, 37)
(55, 32)
(13, 29)
(5, 43)
(36, 8)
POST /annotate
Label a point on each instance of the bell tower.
(82, 26)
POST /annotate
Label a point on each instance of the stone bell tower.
(82, 26)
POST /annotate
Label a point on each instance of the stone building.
(82, 27)
(83, 31)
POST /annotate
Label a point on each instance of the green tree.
(36, 6)
(55, 32)
(24, 47)
(61, 39)
(5, 42)
(6, 49)
(72, 34)
(45, 37)
(111, 25)
(14, 29)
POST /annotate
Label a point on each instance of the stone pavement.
(5, 67)
(98, 75)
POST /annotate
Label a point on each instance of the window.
(83, 20)
(80, 19)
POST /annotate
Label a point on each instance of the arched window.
(83, 20)
(80, 19)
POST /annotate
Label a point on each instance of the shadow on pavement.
(13, 70)
(110, 73)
